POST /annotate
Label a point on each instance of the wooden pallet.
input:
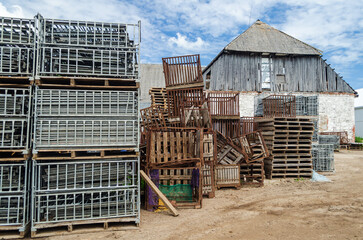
(228, 176)
(252, 174)
(79, 154)
(228, 152)
(15, 81)
(15, 155)
(289, 141)
(159, 97)
(12, 232)
(177, 147)
(208, 180)
(89, 83)
(84, 226)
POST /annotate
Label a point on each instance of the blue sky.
(177, 27)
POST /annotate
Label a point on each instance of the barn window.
(266, 68)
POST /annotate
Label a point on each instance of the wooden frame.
(174, 147)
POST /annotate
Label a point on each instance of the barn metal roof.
(263, 38)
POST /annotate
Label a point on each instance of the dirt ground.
(282, 209)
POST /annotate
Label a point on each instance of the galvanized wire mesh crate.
(16, 31)
(89, 34)
(97, 204)
(323, 157)
(13, 133)
(92, 49)
(307, 106)
(14, 196)
(64, 102)
(14, 101)
(17, 42)
(14, 118)
(67, 61)
(85, 175)
(330, 139)
(85, 133)
(16, 60)
(85, 118)
(85, 190)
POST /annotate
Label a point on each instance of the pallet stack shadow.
(289, 138)
(85, 167)
(16, 64)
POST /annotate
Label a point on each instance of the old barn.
(263, 61)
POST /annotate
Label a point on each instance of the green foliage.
(358, 139)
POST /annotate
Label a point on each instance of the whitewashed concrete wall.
(336, 114)
(336, 111)
(247, 104)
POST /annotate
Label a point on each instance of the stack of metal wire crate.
(16, 66)
(86, 132)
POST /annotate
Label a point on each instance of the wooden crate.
(228, 176)
(176, 176)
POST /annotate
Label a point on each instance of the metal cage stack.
(86, 132)
(17, 45)
(323, 157)
(17, 51)
(14, 199)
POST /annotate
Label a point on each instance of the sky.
(180, 27)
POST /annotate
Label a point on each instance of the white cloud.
(333, 26)
(182, 41)
(205, 27)
(12, 11)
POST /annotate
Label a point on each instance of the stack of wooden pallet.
(289, 140)
(158, 97)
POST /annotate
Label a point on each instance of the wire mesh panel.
(323, 157)
(57, 61)
(12, 210)
(85, 175)
(85, 133)
(90, 34)
(14, 195)
(83, 205)
(307, 106)
(329, 139)
(13, 133)
(12, 178)
(56, 102)
(16, 30)
(14, 101)
(16, 60)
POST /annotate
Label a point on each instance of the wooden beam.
(159, 193)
